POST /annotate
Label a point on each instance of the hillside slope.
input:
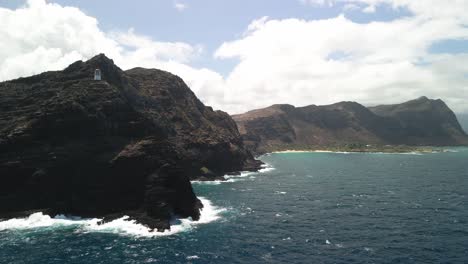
(126, 145)
(420, 122)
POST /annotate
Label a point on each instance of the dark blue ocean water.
(312, 208)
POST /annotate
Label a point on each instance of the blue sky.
(208, 22)
(239, 55)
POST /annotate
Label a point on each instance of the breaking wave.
(123, 225)
(356, 152)
(240, 177)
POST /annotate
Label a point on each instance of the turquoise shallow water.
(311, 208)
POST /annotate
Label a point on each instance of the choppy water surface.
(311, 208)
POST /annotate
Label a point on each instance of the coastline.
(123, 226)
(384, 150)
(348, 152)
(234, 177)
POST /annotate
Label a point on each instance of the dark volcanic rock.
(463, 118)
(424, 122)
(418, 122)
(125, 145)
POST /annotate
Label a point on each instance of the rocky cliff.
(125, 145)
(416, 123)
(463, 118)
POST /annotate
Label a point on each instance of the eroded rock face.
(125, 145)
(418, 122)
(424, 121)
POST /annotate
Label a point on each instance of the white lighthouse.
(97, 75)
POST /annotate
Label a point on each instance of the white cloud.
(427, 8)
(295, 61)
(44, 36)
(369, 9)
(350, 7)
(280, 61)
(318, 2)
(144, 48)
(180, 6)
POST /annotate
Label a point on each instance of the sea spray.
(38, 220)
(121, 226)
(235, 178)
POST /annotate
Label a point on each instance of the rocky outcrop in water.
(125, 145)
(420, 122)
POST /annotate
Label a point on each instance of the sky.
(238, 55)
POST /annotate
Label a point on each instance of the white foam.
(448, 150)
(38, 220)
(239, 177)
(266, 168)
(412, 153)
(243, 174)
(229, 179)
(216, 182)
(193, 257)
(278, 192)
(355, 152)
(398, 153)
(209, 213)
(123, 225)
(368, 249)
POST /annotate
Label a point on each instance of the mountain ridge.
(419, 122)
(128, 144)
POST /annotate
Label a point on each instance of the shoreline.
(349, 152)
(122, 226)
(422, 150)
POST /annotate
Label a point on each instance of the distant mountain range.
(420, 122)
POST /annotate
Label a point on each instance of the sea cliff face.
(125, 145)
(463, 118)
(420, 122)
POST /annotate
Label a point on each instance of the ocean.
(301, 208)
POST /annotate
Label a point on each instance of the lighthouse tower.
(97, 75)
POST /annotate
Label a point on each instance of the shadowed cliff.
(420, 122)
(125, 145)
